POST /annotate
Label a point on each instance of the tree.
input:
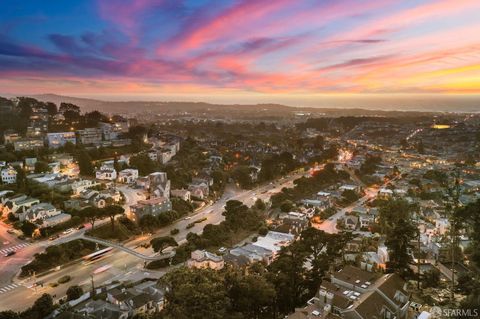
(349, 196)
(94, 117)
(242, 175)
(469, 218)
(431, 278)
(396, 224)
(195, 294)
(370, 165)
(22, 181)
(251, 295)
(74, 292)
(85, 163)
(43, 306)
(286, 206)
(64, 107)
(160, 243)
(9, 315)
(41, 167)
(70, 111)
(111, 211)
(51, 108)
(322, 248)
(289, 277)
(181, 206)
(143, 163)
(260, 204)
(28, 228)
(92, 214)
(398, 242)
(148, 223)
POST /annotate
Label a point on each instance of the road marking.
(14, 248)
(8, 288)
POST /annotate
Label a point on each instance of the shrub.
(263, 231)
(64, 279)
(74, 292)
(174, 231)
(156, 264)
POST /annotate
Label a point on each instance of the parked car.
(10, 253)
(81, 226)
(10, 231)
(53, 237)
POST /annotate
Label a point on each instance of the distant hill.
(139, 106)
(352, 107)
(85, 104)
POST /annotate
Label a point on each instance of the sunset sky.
(281, 48)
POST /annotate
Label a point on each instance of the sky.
(282, 50)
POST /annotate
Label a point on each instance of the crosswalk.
(14, 248)
(8, 288)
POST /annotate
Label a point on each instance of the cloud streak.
(272, 47)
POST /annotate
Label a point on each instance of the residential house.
(353, 293)
(265, 249)
(106, 173)
(9, 175)
(181, 193)
(26, 144)
(101, 309)
(144, 298)
(385, 193)
(199, 189)
(154, 206)
(366, 220)
(354, 188)
(82, 184)
(56, 140)
(18, 204)
(128, 175)
(30, 163)
(45, 215)
(152, 155)
(90, 136)
(165, 155)
(10, 136)
(159, 185)
(205, 259)
(351, 222)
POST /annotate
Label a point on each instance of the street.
(19, 296)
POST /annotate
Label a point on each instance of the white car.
(68, 231)
(187, 218)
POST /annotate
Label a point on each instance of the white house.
(106, 173)
(354, 188)
(81, 185)
(18, 204)
(9, 175)
(385, 193)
